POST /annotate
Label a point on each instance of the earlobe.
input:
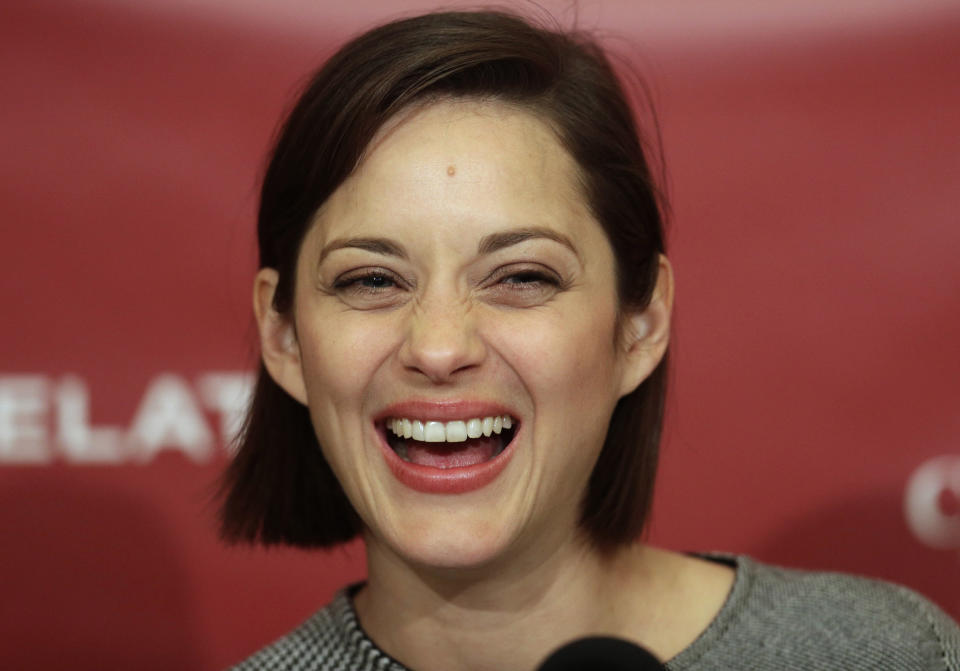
(647, 332)
(278, 341)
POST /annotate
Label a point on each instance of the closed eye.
(527, 277)
(372, 282)
(524, 284)
(369, 287)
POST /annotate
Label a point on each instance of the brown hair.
(279, 488)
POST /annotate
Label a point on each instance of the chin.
(459, 546)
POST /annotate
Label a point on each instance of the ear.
(278, 339)
(647, 333)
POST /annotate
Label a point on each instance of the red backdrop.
(814, 162)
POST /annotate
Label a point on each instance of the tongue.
(453, 455)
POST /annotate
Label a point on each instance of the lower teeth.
(399, 445)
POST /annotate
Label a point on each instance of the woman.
(464, 311)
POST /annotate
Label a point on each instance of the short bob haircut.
(279, 488)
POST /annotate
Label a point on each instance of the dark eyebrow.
(375, 245)
(497, 241)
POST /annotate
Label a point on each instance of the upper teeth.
(450, 432)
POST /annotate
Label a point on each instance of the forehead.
(460, 161)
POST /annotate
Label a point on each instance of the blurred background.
(813, 165)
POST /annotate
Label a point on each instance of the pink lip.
(428, 479)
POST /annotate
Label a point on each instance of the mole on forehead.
(451, 170)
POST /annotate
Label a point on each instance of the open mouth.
(455, 444)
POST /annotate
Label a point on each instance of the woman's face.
(457, 278)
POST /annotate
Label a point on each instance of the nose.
(442, 340)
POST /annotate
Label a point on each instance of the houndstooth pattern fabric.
(330, 640)
(774, 620)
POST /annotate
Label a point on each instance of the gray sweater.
(773, 619)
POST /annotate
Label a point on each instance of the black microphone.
(601, 653)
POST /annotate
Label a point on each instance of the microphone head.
(601, 653)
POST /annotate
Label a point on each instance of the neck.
(502, 616)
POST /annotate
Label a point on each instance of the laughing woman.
(464, 311)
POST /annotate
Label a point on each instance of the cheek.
(340, 355)
(565, 355)
(567, 364)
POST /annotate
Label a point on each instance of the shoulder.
(331, 640)
(847, 609)
(784, 618)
